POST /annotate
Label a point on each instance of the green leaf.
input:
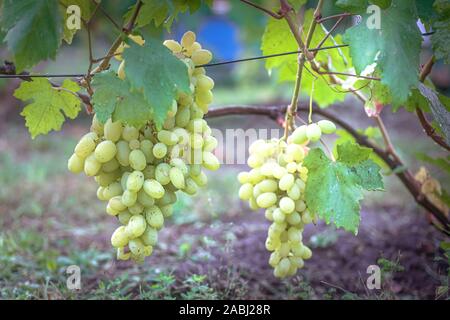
(160, 75)
(334, 189)
(86, 9)
(33, 30)
(395, 47)
(353, 6)
(113, 99)
(439, 108)
(278, 38)
(441, 163)
(441, 39)
(164, 12)
(47, 104)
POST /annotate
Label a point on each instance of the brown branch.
(342, 15)
(430, 131)
(267, 11)
(405, 176)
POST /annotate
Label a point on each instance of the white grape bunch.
(139, 170)
(276, 183)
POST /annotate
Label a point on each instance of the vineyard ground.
(213, 247)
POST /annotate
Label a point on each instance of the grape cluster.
(139, 170)
(276, 182)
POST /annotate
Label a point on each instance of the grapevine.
(139, 170)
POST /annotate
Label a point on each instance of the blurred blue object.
(221, 37)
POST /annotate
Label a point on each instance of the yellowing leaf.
(48, 105)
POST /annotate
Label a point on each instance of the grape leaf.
(86, 9)
(164, 12)
(439, 109)
(45, 112)
(155, 71)
(395, 46)
(334, 189)
(441, 163)
(353, 6)
(33, 30)
(441, 39)
(278, 38)
(113, 99)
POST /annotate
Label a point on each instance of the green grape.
(136, 247)
(294, 192)
(112, 130)
(123, 153)
(167, 210)
(168, 138)
(124, 217)
(86, 145)
(266, 199)
(105, 151)
(136, 226)
(91, 166)
(150, 236)
(201, 179)
(116, 203)
(201, 57)
(145, 199)
(210, 161)
(204, 83)
(191, 187)
(286, 182)
(129, 198)
(327, 126)
(188, 39)
(204, 97)
(147, 148)
(137, 160)
(134, 144)
(174, 46)
(182, 117)
(153, 188)
(246, 191)
(119, 237)
(196, 141)
(294, 218)
(181, 165)
(110, 166)
(130, 133)
(299, 135)
(210, 143)
(111, 211)
(159, 150)
(75, 164)
(177, 178)
(300, 205)
(268, 185)
(162, 173)
(169, 197)
(287, 205)
(154, 217)
(278, 215)
(149, 172)
(294, 234)
(183, 136)
(100, 195)
(135, 181)
(313, 132)
(97, 126)
(136, 208)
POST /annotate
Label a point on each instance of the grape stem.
(406, 177)
(291, 111)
